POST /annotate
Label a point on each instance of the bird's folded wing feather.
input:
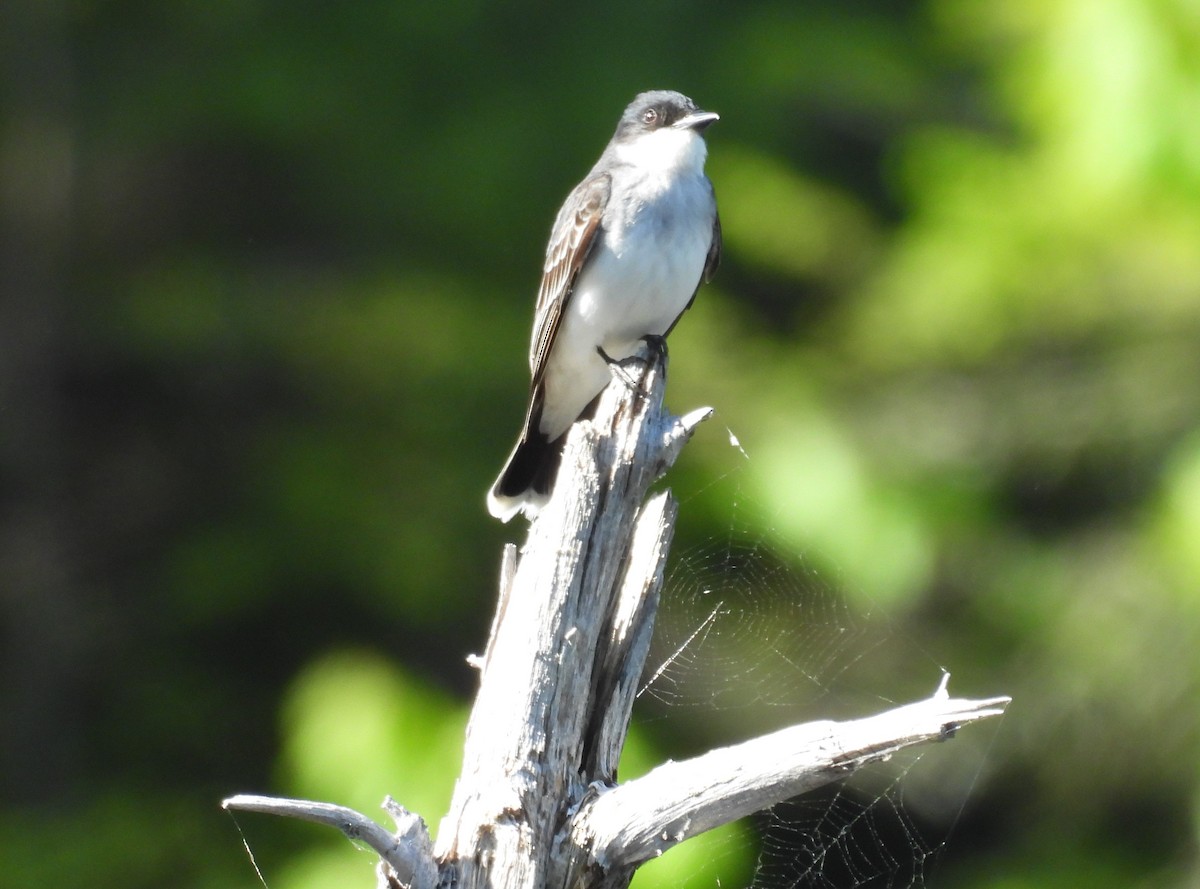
(570, 243)
(714, 251)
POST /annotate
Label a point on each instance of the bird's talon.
(656, 342)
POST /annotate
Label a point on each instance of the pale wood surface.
(536, 804)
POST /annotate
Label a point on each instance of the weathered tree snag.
(627, 825)
(563, 663)
(537, 803)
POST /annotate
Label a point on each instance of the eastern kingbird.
(628, 251)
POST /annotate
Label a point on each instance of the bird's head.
(660, 131)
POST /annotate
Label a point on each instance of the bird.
(628, 251)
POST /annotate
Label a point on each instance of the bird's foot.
(628, 370)
(658, 343)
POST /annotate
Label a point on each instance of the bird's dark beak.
(697, 120)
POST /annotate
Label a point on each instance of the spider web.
(740, 626)
(750, 638)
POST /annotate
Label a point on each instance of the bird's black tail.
(525, 483)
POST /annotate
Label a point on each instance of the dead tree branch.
(537, 803)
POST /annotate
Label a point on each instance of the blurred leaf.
(357, 728)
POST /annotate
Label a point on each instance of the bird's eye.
(649, 116)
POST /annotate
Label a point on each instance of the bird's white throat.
(665, 152)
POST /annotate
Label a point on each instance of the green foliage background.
(265, 289)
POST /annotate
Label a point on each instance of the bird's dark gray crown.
(653, 110)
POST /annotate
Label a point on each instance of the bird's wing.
(570, 243)
(714, 250)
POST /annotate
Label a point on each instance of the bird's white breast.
(642, 272)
